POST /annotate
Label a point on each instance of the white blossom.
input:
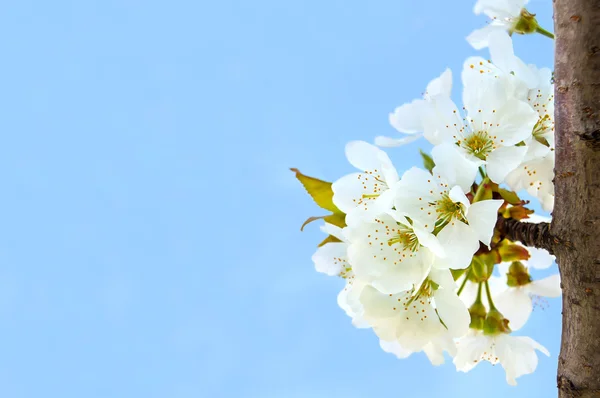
(416, 317)
(390, 252)
(434, 350)
(412, 118)
(516, 354)
(332, 259)
(504, 15)
(515, 302)
(536, 173)
(495, 122)
(366, 193)
(434, 203)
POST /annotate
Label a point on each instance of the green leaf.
(457, 273)
(337, 219)
(319, 190)
(428, 162)
(509, 196)
(322, 194)
(329, 239)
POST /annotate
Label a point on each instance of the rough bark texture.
(576, 217)
(530, 234)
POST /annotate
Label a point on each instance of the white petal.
(479, 38)
(515, 304)
(482, 217)
(513, 122)
(347, 191)
(434, 354)
(385, 201)
(453, 166)
(330, 258)
(470, 349)
(457, 195)
(441, 85)
(390, 175)
(504, 160)
(534, 344)
(477, 68)
(428, 240)
(365, 157)
(377, 304)
(407, 118)
(443, 277)
(460, 243)
(546, 287)
(334, 230)
(517, 355)
(348, 301)
(453, 312)
(389, 142)
(503, 56)
(416, 189)
(501, 49)
(536, 150)
(506, 8)
(401, 278)
(393, 347)
(441, 119)
(484, 96)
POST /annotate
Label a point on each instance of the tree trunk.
(576, 217)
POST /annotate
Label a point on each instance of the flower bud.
(481, 270)
(495, 323)
(478, 313)
(525, 24)
(517, 275)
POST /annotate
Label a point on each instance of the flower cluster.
(424, 264)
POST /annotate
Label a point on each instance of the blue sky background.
(150, 242)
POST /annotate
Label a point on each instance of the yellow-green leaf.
(319, 190)
(509, 196)
(337, 219)
(428, 162)
(329, 239)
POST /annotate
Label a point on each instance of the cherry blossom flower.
(412, 118)
(391, 253)
(504, 15)
(516, 354)
(514, 289)
(367, 193)
(332, 259)
(435, 204)
(495, 123)
(416, 317)
(434, 350)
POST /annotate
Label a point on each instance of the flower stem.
(544, 32)
(478, 299)
(481, 190)
(489, 296)
(462, 285)
(482, 172)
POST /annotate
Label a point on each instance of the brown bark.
(576, 217)
(530, 234)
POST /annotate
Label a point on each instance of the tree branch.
(530, 234)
